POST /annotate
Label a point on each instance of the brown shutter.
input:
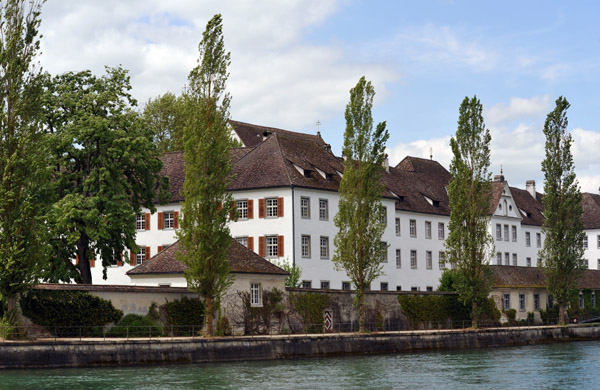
(76, 259)
(220, 206)
(176, 219)
(261, 246)
(92, 262)
(251, 243)
(250, 209)
(147, 221)
(280, 246)
(131, 258)
(120, 262)
(261, 208)
(280, 207)
(147, 252)
(159, 249)
(160, 221)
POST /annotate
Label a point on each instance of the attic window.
(307, 173)
(329, 176)
(400, 198)
(436, 203)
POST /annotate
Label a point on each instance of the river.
(551, 366)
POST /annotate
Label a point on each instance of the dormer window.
(436, 203)
(307, 173)
(329, 177)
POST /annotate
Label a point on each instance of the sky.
(293, 63)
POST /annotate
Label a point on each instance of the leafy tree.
(358, 241)
(166, 115)
(469, 243)
(105, 168)
(204, 234)
(295, 273)
(562, 254)
(23, 172)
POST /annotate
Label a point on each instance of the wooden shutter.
(160, 221)
(159, 249)
(261, 208)
(280, 207)
(76, 259)
(251, 243)
(147, 253)
(261, 245)
(176, 219)
(92, 259)
(147, 221)
(220, 206)
(250, 209)
(279, 246)
(131, 258)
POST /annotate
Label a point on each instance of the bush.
(310, 307)
(185, 316)
(68, 313)
(511, 315)
(135, 325)
(223, 327)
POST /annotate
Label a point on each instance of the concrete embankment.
(88, 353)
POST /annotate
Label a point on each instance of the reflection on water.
(552, 366)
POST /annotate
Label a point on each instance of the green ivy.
(185, 316)
(310, 307)
(135, 325)
(258, 320)
(420, 309)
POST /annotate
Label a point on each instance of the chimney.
(530, 186)
(499, 178)
(386, 163)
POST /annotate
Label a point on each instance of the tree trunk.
(12, 302)
(84, 262)
(209, 316)
(361, 310)
(562, 315)
(474, 316)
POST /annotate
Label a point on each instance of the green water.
(552, 366)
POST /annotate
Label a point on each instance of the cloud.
(518, 109)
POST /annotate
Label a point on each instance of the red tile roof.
(510, 276)
(252, 135)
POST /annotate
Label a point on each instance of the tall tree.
(358, 241)
(166, 115)
(562, 254)
(105, 168)
(204, 233)
(22, 150)
(469, 243)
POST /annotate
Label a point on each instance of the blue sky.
(293, 63)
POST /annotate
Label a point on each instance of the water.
(552, 366)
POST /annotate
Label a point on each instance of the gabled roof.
(591, 210)
(241, 260)
(252, 135)
(533, 277)
(531, 209)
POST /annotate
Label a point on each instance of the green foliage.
(433, 308)
(511, 315)
(135, 325)
(469, 243)
(204, 234)
(223, 327)
(295, 273)
(311, 308)
(185, 316)
(105, 167)
(66, 313)
(258, 320)
(166, 115)
(562, 254)
(23, 153)
(448, 280)
(358, 240)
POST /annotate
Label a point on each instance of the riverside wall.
(90, 353)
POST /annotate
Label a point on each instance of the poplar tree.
(562, 254)
(204, 233)
(358, 241)
(469, 243)
(22, 152)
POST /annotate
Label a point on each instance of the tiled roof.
(241, 260)
(531, 208)
(591, 210)
(173, 169)
(252, 135)
(510, 276)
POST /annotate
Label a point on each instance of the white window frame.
(498, 232)
(140, 257)
(506, 258)
(305, 207)
(428, 230)
(413, 228)
(514, 259)
(255, 295)
(384, 286)
(323, 210)
(538, 240)
(528, 239)
(242, 208)
(429, 260)
(271, 246)
(242, 240)
(399, 258)
(441, 231)
(514, 233)
(346, 286)
(442, 260)
(536, 302)
(529, 261)
(413, 259)
(271, 207)
(506, 301)
(505, 232)
(499, 258)
(305, 246)
(325, 285)
(522, 302)
(168, 219)
(140, 222)
(585, 241)
(398, 231)
(324, 247)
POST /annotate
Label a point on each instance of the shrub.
(310, 307)
(258, 320)
(68, 313)
(223, 327)
(511, 315)
(184, 316)
(135, 325)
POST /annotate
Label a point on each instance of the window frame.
(506, 301)
(399, 258)
(271, 243)
(140, 220)
(514, 233)
(498, 232)
(413, 259)
(428, 230)
(442, 260)
(441, 231)
(413, 228)
(271, 207)
(241, 209)
(528, 239)
(305, 208)
(398, 230)
(324, 249)
(428, 260)
(303, 246)
(323, 209)
(255, 295)
(168, 221)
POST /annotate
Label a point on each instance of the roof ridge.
(285, 166)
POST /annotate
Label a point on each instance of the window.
(522, 302)
(427, 229)
(271, 207)
(384, 257)
(585, 242)
(324, 284)
(507, 258)
(429, 288)
(585, 263)
(598, 265)
(324, 247)
(413, 259)
(242, 240)
(505, 232)
(581, 301)
(398, 288)
(305, 207)
(515, 259)
(499, 258)
(536, 302)
(428, 260)
(398, 226)
(255, 294)
(271, 246)
(242, 208)
(306, 246)
(529, 261)
(441, 231)
(514, 233)
(345, 285)
(413, 228)
(323, 210)
(140, 222)
(506, 301)
(498, 232)
(168, 220)
(140, 257)
(598, 239)
(414, 288)
(384, 216)
(538, 239)
(442, 260)
(384, 286)
(307, 284)
(399, 259)
(527, 239)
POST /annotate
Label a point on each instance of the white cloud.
(518, 109)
